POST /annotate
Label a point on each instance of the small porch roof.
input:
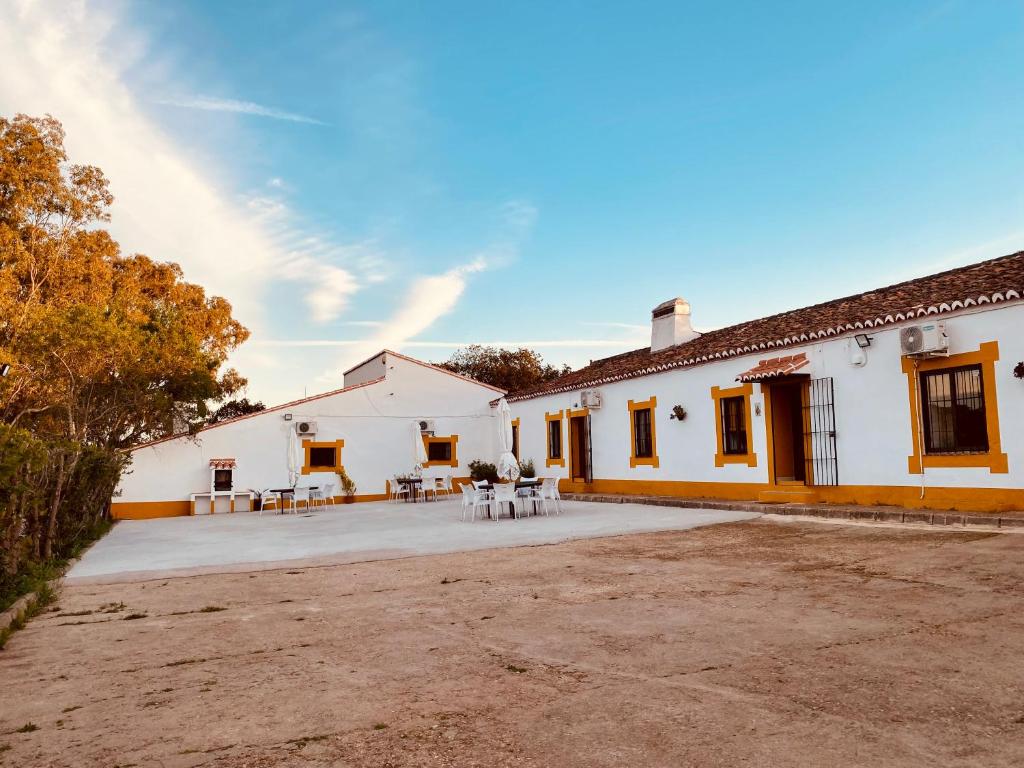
(774, 368)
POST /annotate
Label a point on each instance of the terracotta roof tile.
(988, 282)
(774, 367)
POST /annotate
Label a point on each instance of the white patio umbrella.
(508, 465)
(419, 450)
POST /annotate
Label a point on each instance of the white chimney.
(670, 324)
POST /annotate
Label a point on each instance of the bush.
(54, 501)
(526, 468)
(481, 470)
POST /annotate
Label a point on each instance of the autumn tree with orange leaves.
(105, 349)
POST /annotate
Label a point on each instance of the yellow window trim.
(721, 457)
(309, 444)
(517, 446)
(453, 439)
(548, 418)
(642, 461)
(994, 459)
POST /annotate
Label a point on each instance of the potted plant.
(348, 488)
(482, 470)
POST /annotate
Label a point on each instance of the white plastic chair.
(473, 498)
(437, 486)
(478, 483)
(398, 491)
(267, 502)
(301, 494)
(549, 492)
(325, 495)
(504, 493)
(531, 495)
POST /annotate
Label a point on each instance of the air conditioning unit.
(591, 398)
(305, 428)
(427, 426)
(930, 339)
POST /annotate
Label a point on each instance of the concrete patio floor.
(371, 531)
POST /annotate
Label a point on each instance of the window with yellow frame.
(553, 427)
(734, 439)
(643, 436)
(322, 456)
(441, 451)
(953, 411)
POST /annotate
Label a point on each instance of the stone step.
(792, 495)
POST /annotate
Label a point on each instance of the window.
(323, 457)
(644, 448)
(441, 451)
(515, 438)
(734, 426)
(954, 410)
(733, 438)
(555, 439)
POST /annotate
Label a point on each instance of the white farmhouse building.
(367, 428)
(905, 395)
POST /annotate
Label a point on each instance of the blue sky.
(423, 175)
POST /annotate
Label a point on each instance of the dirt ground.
(756, 644)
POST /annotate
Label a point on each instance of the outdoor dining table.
(282, 492)
(528, 483)
(413, 484)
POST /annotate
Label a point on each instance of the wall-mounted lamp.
(5, 368)
(287, 417)
(863, 340)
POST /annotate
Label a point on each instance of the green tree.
(512, 370)
(235, 408)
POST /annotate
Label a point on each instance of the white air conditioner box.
(305, 428)
(591, 398)
(927, 339)
(427, 426)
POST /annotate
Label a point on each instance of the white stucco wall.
(871, 407)
(375, 421)
(367, 370)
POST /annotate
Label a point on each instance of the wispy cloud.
(624, 326)
(75, 63)
(532, 343)
(215, 104)
(324, 267)
(1002, 245)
